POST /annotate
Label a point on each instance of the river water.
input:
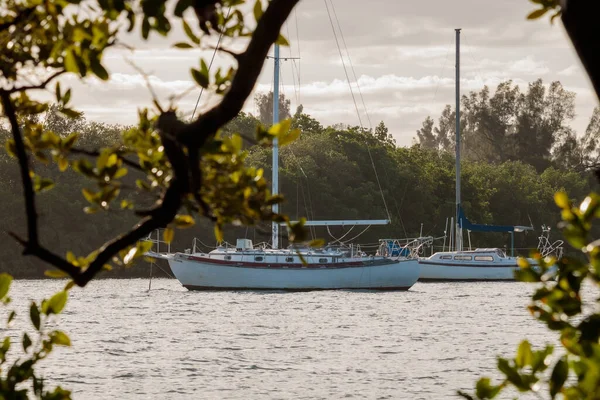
(170, 343)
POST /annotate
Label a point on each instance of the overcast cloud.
(402, 52)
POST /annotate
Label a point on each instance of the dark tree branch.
(265, 34)
(580, 18)
(175, 135)
(23, 159)
(39, 86)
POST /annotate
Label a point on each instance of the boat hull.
(198, 274)
(456, 272)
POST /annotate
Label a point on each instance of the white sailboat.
(248, 267)
(490, 264)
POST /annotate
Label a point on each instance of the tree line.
(332, 172)
(531, 126)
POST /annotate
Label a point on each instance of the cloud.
(401, 52)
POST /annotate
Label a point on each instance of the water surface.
(170, 343)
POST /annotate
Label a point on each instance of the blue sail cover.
(466, 224)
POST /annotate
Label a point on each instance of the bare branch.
(39, 86)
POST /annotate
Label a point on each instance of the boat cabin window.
(322, 260)
(227, 257)
(484, 258)
(446, 257)
(463, 258)
(258, 258)
(289, 259)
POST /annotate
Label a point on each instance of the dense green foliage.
(510, 125)
(19, 380)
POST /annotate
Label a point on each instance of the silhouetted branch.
(39, 86)
(174, 136)
(580, 19)
(23, 159)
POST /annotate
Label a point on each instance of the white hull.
(203, 273)
(448, 272)
(477, 265)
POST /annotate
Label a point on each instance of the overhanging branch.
(173, 135)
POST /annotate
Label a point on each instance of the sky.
(402, 53)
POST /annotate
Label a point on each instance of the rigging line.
(298, 46)
(356, 107)
(442, 71)
(351, 64)
(287, 26)
(211, 62)
(343, 63)
(343, 236)
(306, 208)
(475, 62)
(356, 237)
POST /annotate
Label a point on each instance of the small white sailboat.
(462, 265)
(295, 268)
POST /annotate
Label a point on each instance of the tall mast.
(458, 231)
(275, 176)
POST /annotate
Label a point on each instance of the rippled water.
(171, 343)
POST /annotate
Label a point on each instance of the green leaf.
(60, 338)
(316, 243)
(181, 6)
(58, 93)
(168, 235)
(485, 390)
(34, 315)
(559, 376)
(183, 45)
(70, 61)
(89, 195)
(98, 69)
(537, 13)
(5, 281)
(11, 316)
(200, 78)
(67, 97)
(55, 273)
(258, 12)
(56, 303)
(282, 41)
(121, 172)
(184, 221)
(190, 34)
(26, 342)
(524, 355)
(218, 233)
(289, 137)
(562, 200)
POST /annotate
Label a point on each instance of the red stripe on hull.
(246, 264)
